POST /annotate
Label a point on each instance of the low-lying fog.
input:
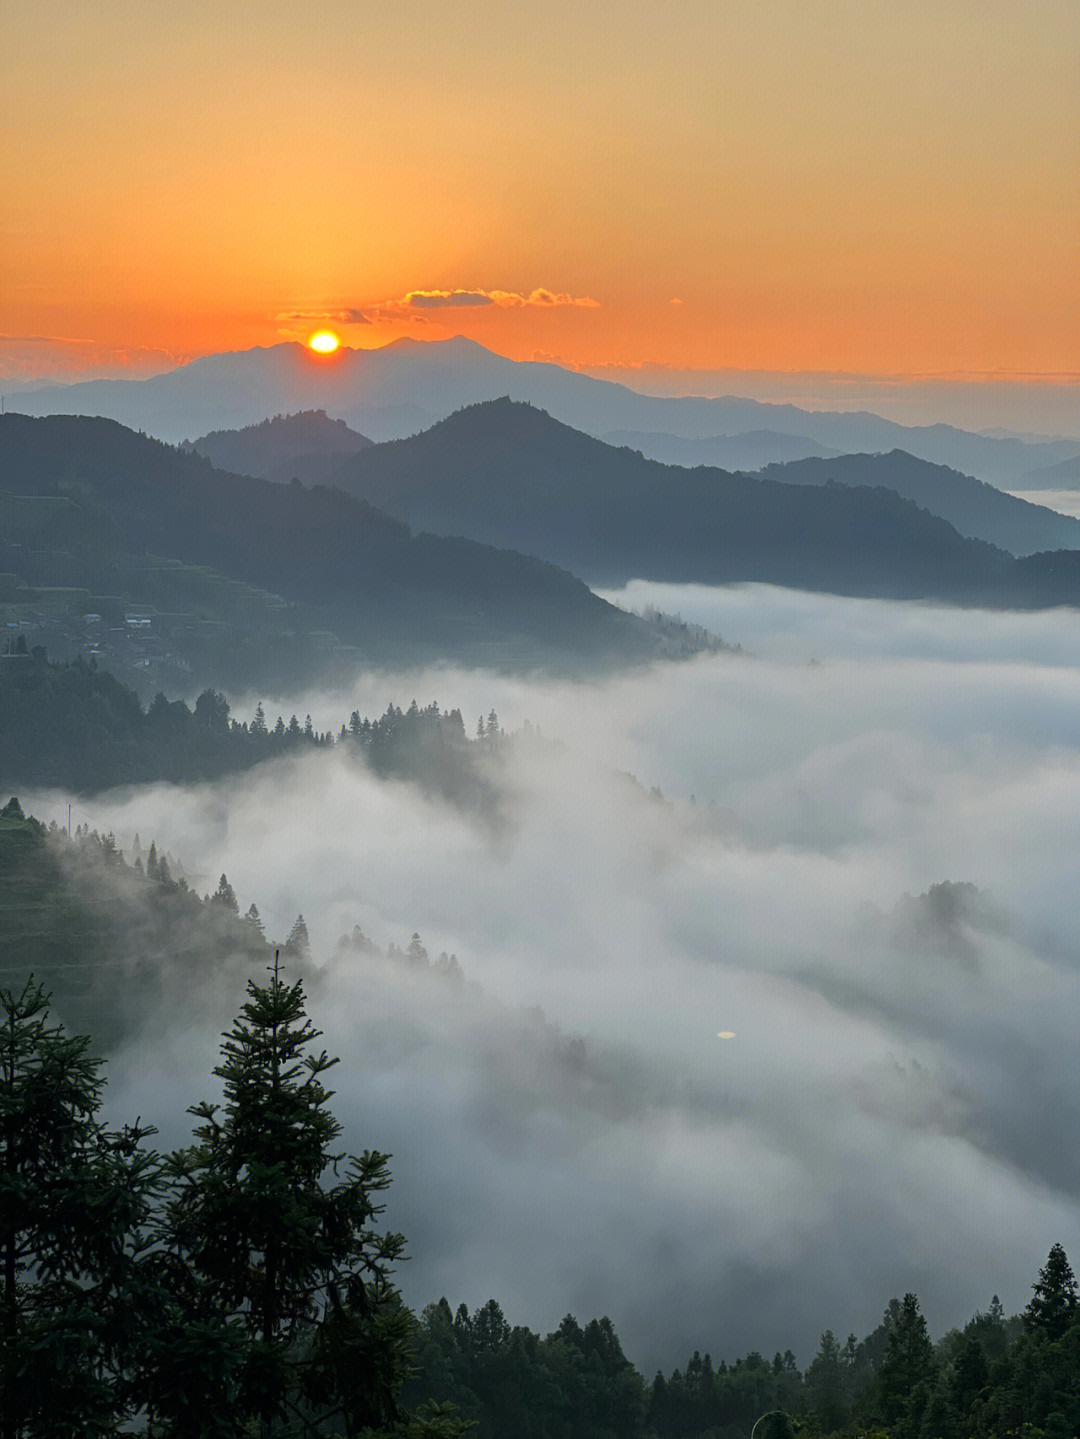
(874, 894)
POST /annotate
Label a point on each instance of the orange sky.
(821, 184)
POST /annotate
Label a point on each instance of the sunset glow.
(848, 187)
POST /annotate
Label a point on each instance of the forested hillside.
(508, 474)
(77, 728)
(300, 579)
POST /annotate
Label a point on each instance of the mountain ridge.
(512, 475)
(355, 572)
(410, 381)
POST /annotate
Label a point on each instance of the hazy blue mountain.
(510, 475)
(390, 392)
(750, 451)
(1065, 475)
(87, 499)
(975, 509)
(303, 446)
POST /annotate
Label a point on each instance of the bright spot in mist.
(726, 1034)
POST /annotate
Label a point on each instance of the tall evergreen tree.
(280, 1245)
(226, 895)
(825, 1383)
(907, 1369)
(1053, 1305)
(298, 944)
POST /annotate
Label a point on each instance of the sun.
(323, 342)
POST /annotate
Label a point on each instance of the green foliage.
(75, 1200)
(76, 727)
(907, 1370)
(285, 1254)
(112, 942)
(574, 1384)
(1053, 1305)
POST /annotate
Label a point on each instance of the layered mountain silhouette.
(1065, 475)
(975, 508)
(88, 498)
(750, 451)
(395, 391)
(306, 446)
(508, 474)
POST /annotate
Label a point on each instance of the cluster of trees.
(997, 1378)
(116, 941)
(118, 938)
(240, 1286)
(79, 728)
(413, 959)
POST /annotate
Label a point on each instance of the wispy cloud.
(505, 299)
(444, 299)
(413, 305)
(345, 315)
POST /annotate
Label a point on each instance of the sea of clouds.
(863, 869)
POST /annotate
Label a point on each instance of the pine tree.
(298, 944)
(1053, 1305)
(226, 895)
(74, 1200)
(825, 1383)
(280, 1246)
(907, 1369)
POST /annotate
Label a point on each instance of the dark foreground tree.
(290, 1310)
(75, 1199)
(907, 1371)
(1053, 1305)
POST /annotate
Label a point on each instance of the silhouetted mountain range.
(95, 497)
(306, 446)
(750, 451)
(397, 390)
(512, 476)
(1065, 475)
(976, 509)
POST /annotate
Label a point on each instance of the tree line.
(76, 727)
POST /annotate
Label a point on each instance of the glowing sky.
(819, 184)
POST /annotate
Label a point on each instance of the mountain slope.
(1065, 475)
(975, 509)
(751, 450)
(303, 446)
(396, 390)
(511, 475)
(355, 571)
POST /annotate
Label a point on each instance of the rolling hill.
(509, 474)
(305, 446)
(92, 501)
(976, 509)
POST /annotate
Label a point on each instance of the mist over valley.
(869, 888)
